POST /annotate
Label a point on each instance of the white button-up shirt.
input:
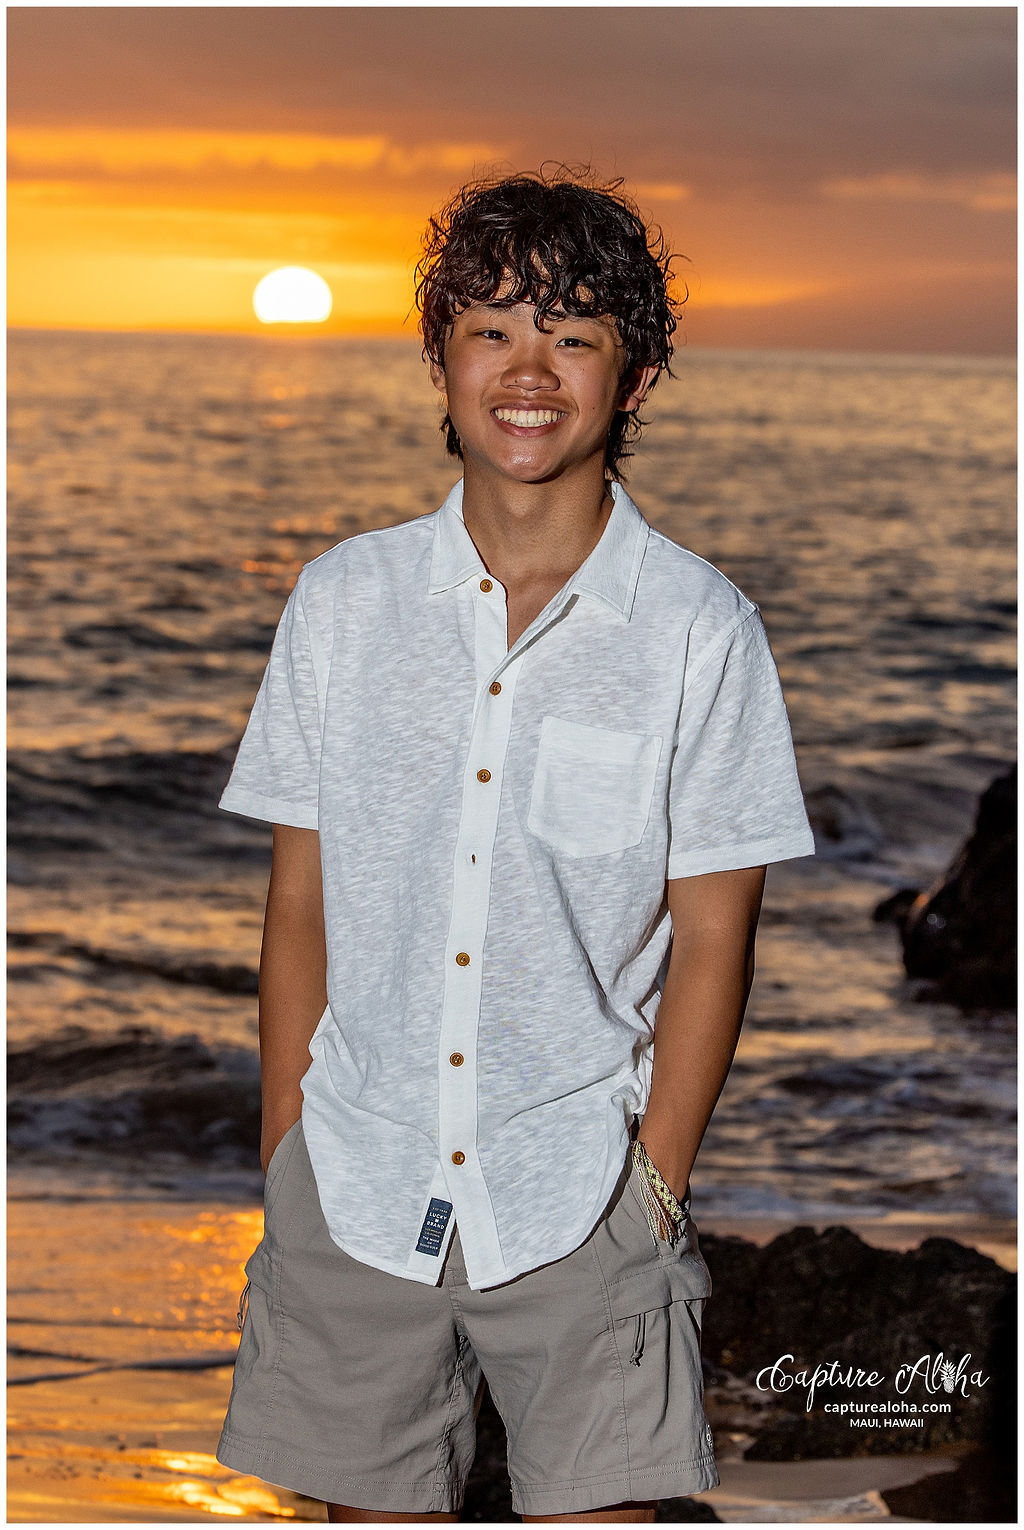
(496, 829)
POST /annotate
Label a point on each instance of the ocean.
(164, 492)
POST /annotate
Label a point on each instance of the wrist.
(665, 1213)
(674, 1167)
(272, 1131)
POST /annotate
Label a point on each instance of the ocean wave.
(65, 802)
(226, 977)
(133, 1090)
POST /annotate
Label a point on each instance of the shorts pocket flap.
(645, 1291)
(690, 1276)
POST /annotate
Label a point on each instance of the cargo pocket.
(655, 1320)
(638, 1309)
(592, 787)
(689, 1277)
(692, 1307)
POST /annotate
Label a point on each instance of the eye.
(574, 341)
(491, 334)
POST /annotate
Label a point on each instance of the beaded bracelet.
(665, 1215)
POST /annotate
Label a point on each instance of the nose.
(529, 370)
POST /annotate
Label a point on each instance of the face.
(532, 404)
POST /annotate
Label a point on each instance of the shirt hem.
(389, 1266)
(735, 857)
(269, 809)
(479, 1281)
(484, 1280)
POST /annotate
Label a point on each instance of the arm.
(711, 968)
(293, 978)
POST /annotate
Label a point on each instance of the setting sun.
(292, 295)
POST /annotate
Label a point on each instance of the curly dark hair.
(564, 242)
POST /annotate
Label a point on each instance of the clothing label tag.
(434, 1224)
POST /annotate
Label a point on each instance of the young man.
(526, 760)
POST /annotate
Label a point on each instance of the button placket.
(497, 671)
(478, 821)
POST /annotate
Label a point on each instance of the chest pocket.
(592, 787)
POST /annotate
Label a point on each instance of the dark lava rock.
(690, 1511)
(960, 934)
(824, 1297)
(895, 908)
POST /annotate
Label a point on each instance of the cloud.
(994, 192)
(112, 152)
(716, 97)
(756, 292)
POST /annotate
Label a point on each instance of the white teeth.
(527, 417)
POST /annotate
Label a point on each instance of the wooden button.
(486, 586)
(456, 1059)
(495, 687)
(483, 775)
(458, 1158)
(463, 958)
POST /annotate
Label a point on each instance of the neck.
(529, 531)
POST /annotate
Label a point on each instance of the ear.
(636, 387)
(437, 376)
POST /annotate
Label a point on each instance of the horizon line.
(310, 332)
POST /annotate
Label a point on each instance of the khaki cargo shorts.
(361, 1388)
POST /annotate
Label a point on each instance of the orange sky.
(837, 177)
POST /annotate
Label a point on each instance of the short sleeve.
(276, 774)
(734, 792)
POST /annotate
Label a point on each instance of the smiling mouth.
(528, 419)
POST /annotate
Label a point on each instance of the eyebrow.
(556, 315)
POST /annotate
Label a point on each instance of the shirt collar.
(609, 574)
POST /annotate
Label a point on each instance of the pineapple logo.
(940, 1375)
